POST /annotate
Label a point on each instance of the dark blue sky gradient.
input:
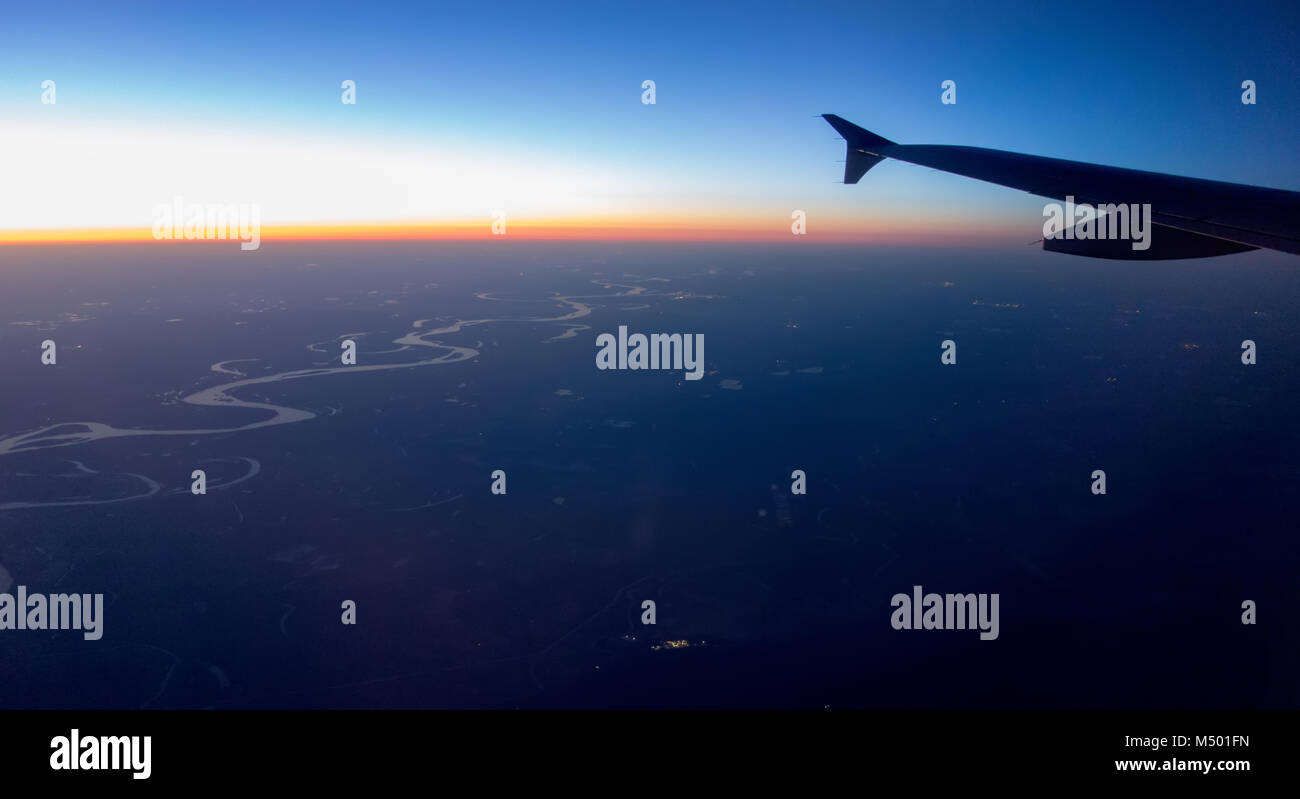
(1152, 86)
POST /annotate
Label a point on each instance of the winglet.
(861, 144)
(854, 135)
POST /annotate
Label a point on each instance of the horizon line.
(523, 230)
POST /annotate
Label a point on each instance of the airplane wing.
(1191, 218)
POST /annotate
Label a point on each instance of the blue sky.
(541, 91)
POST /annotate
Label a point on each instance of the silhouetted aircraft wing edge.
(1213, 217)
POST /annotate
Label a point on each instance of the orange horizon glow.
(838, 232)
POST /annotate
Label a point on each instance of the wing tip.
(857, 137)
